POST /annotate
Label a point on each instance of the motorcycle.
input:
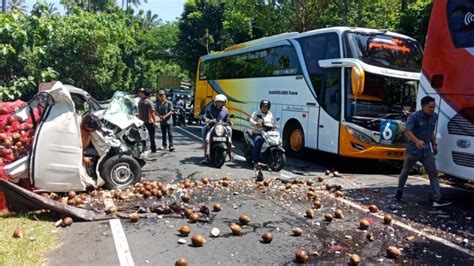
(219, 138)
(179, 117)
(272, 152)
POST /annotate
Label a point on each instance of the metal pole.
(4, 6)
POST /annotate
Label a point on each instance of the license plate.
(218, 138)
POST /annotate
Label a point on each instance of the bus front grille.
(463, 159)
(462, 123)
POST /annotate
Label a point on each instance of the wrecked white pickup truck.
(53, 161)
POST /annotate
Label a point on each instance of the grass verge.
(38, 237)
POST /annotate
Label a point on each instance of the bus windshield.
(384, 50)
(382, 97)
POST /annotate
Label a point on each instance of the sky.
(167, 10)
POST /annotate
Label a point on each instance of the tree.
(17, 5)
(414, 21)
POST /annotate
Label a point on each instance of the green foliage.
(414, 21)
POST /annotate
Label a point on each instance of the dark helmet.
(265, 102)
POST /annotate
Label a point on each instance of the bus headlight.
(219, 130)
(360, 136)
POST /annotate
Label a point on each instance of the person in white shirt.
(258, 119)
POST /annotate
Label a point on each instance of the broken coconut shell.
(267, 237)
(17, 233)
(244, 219)
(184, 230)
(297, 231)
(364, 224)
(134, 217)
(393, 252)
(67, 221)
(373, 208)
(215, 232)
(181, 262)
(336, 174)
(235, 228)
(354, 259)
(328, 217)
(217, 207)
(387, 219)
(370, 237)
(198, 240)
(301, 256)
(338, 214)
(194, 217)
(310, 213)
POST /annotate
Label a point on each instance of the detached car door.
(56, 163)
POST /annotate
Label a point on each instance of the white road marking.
(121, 244)
(409, 228)
(190, 133)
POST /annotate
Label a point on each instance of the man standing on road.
(420, 133)
(165, 110)
(146, 112)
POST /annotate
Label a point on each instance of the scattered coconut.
(316, 254)
(67, 221)
(354, 259)
(310, 194)
(71, 202)
(373, 208)
(328, 217)
(338, 214)
(244, 219)
(409, 238)
(194, 217)
(339, 194)
(198, 240)
(185, 198)
(205, 180)
(267, 182)
(226, 178)
(387, 219)
(188, 212)
(184, 230)
(393, 252)
(288, 186)
(267, 237)
(336, 174)
(297, 231)
(134, 217)
(317, 204)
(310, 213)
(17, 233)
(320, 178)
(312, 189)
(77, 201)
(328, 172)
(301, 256)
(187, 183)
(217, 207)
(71, 194)
(181, 262)
(215, 232)
(309, 182)
(235, 228)
(364, 224)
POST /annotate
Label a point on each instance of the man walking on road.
(420, 133)
(165, 110)
(146, 112)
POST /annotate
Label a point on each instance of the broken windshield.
(384, 50)
(121, 108)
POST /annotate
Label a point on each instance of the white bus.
(448, 76)
(340, 90)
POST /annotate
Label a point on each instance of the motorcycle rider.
(219, 112)
(180, 106)
(258, 120)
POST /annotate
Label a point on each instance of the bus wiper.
(387, 116)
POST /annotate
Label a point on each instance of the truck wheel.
(120, 171)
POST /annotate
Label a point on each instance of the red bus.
(448, 76)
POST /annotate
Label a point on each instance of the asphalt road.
(424, 235)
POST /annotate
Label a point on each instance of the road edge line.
(408, 227)
(121, 244)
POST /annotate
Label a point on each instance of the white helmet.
(220, 98)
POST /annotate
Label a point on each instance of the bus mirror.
(357, 80)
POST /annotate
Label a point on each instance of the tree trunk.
(4, 6)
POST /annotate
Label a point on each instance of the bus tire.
(294, 139)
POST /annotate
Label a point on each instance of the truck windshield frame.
(383, 50)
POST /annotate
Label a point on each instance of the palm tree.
(17, 5)
(149, 19)
(136, 3)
